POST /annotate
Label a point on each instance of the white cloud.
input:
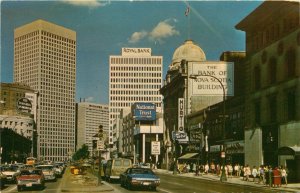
(161, 31)
(137, 36)
(86, 3)
(89, 99)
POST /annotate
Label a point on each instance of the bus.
(31, 160)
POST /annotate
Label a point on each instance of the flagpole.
(187, 14)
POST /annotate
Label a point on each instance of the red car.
(31, 178)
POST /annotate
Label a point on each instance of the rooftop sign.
(144, 111)
(136, 51)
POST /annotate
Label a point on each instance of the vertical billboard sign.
(207, 73)
(144, 111)
(32, 97)
(181, 115)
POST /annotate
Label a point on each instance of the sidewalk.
(295, 187)
(82, 183)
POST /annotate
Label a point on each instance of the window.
(273, 108)
(291, 105)
(257, 112)
(272, 70)
(290, 58)
(257, 78)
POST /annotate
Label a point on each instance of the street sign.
(180, 135)
(100, 145)
(155, 147)
(24, 105)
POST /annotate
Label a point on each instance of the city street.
(50, 187)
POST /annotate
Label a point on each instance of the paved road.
(176, 184)
(50, 187)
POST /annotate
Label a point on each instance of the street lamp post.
(195, 76)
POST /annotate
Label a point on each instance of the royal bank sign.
(144, 111)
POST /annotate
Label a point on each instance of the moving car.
(48, 171)
(139, 177)
(30, 178)
(2, 180)
(11, 172)
(115, 167)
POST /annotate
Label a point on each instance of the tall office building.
(135, 76)
(45, 59)
(89, 117)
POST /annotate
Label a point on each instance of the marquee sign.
(24, 105)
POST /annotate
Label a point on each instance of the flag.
(187, 11)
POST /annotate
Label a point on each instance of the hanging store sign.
(24, 105)
(181, 115)
(207, 75)
(235, 147)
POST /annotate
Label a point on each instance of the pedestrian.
(276, 177)
(270, 172)
(247, 172)
(230, 170)
(197, 170)
(254, 173)
(206, 168)
(213, 168)
(284, 175)
(261, 172)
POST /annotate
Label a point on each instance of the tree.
(82, 153)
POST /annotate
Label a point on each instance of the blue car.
(139, 177)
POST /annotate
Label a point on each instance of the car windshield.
(140, 171)
(45, 167)
(30, 172)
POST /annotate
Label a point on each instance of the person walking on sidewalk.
(261, 172)
(254, 173)
(284, 176)
(276, 177)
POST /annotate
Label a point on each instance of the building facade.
(45, 59)
(135, 76)
(273, 89)
(88, 118)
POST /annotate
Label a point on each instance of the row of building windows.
(133, 98)
(28, 35)
(134, 86)
(136, 68)
(272, 72)
(135, 74)
(57, 37)
(135, 80)
(131, 60)
(134, 92)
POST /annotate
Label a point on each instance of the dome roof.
(188, 51)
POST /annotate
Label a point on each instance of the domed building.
(187, 51)
(183, 96)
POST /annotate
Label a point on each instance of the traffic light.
(100, 133)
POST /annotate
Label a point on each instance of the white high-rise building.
(45, 59)
(135, 76)
(89, 117)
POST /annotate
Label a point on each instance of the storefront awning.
(188, 156)
(287, 150)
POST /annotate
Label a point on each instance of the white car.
(48, 171)
(11, 172)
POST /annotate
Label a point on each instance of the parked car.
(30, 178)
(48, 171)
(2, 180)
(114, 167)
(11, 172)
(139, 177)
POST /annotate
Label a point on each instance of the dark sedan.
(139, 177)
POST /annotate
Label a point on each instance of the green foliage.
(82, 153)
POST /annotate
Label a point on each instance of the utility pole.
(100, 138)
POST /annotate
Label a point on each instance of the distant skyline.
(104, 27)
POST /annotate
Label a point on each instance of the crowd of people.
(267, 175)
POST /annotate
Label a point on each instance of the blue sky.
(104, 27)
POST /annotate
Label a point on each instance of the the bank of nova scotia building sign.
(144, 111)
